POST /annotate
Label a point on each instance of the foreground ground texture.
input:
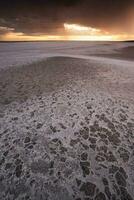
(67, 121)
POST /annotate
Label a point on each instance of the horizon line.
(15, 41)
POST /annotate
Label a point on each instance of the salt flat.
(67, 120)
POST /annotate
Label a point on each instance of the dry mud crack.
(66, 131)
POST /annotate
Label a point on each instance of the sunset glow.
(71, 32)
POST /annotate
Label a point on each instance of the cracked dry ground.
(65, 133)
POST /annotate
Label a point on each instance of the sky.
(66, 20)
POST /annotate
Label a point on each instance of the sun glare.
(86, 33)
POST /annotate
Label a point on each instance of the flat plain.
(67, 121)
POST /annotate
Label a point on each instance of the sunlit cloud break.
(81, 29)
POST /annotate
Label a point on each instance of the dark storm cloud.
(47, 16)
